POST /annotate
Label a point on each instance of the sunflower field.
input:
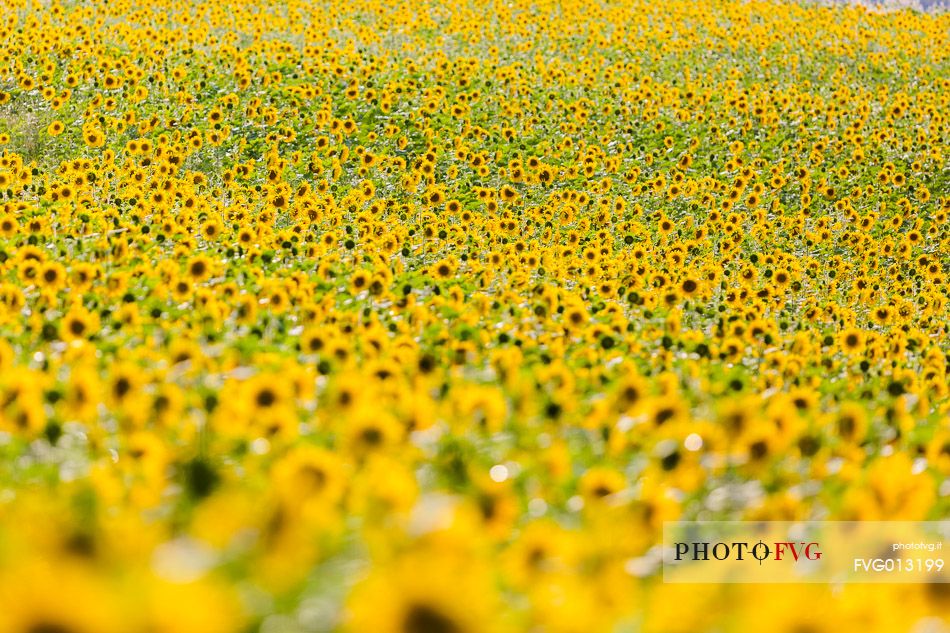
(384, 317)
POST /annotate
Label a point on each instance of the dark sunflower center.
(372, 436)
(49, 627)
(424, 619)
(266, 398)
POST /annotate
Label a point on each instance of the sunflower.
(690, 287)
(211, 229)
(52, 275)
(852, 340)
(124, 383)
(599, 483)
(78, 324)
(266, 392)
(368, 431)
(181, 290)
(312, 341)
(882, 315)
(575, 317)
(199, 268)
(444, 269)
(309, 475)
(245, 309)
(93, 137)
(359, 281)
(87, 604)
(851, 422)
(424, 592)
